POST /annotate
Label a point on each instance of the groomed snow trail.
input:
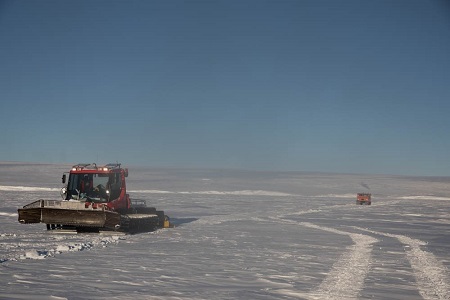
(431, 275)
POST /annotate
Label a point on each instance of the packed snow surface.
(238, 235)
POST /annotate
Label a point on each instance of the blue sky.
(331, 86)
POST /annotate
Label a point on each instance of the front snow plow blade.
(92, 217)
(68, 213)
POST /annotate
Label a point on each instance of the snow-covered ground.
(239, 235)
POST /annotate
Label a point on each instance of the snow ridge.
(233, 193)
(53, 249)
(14, 188)
(6, 214)
(424, 198)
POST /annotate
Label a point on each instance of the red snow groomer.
(364, 198)
(94, 199)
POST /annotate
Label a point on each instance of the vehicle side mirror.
(63, 179)
(126, 172)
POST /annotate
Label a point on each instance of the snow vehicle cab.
(105, 184)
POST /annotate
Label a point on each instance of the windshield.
(93, 187)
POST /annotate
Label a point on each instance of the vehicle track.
(346, 277)
(431, 275)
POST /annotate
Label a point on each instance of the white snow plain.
(238, 235)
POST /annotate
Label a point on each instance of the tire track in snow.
(431, 275)
(346, 277)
